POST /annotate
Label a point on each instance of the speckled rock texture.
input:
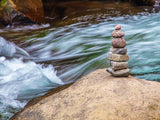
(118, 65)
(118, 34)
(118, 43)
(117, 57)
(119, 73)
(99, 96)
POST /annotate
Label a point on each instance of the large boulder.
(31, 8)
(98, 96)
(21, 12)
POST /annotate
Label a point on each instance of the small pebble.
(118, 27)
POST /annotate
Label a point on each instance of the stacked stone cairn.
(118, 55)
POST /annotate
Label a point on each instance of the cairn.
(118, 55)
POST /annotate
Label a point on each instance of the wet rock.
(119, 73)
(117, 57)
(118, 65)
(121, 51)
(99, 96)
(118, 43)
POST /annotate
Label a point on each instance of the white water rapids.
(21, 81)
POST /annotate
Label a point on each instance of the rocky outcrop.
(99, 96)
(15, 12)
(33, 9)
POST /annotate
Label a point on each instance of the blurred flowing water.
(35, 59)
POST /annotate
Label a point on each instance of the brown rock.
(117, 57)
(118, 43)
(119, 73)
(99, 96)
(118, 65)
(21, 12)
(118, 27)
(118, 34)
(30, 8)
(121, 51)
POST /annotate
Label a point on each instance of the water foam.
(20, 82)
(9, 49)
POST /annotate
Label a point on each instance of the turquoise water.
(43, 57)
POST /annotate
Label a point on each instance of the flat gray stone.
(119, 73)
(117, 57)
(118, 65)
(121, 51)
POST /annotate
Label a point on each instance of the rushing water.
(34, 61)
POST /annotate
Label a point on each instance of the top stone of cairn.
(118, 27)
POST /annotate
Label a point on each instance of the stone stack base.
(118, 63)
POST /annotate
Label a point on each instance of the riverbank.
(93, 11)
(98, 96)
(15, 13)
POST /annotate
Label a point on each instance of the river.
(37, 58)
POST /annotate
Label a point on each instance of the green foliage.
(3, 3)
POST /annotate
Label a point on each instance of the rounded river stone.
(118, 42)
(118, 34)
(118, 27)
